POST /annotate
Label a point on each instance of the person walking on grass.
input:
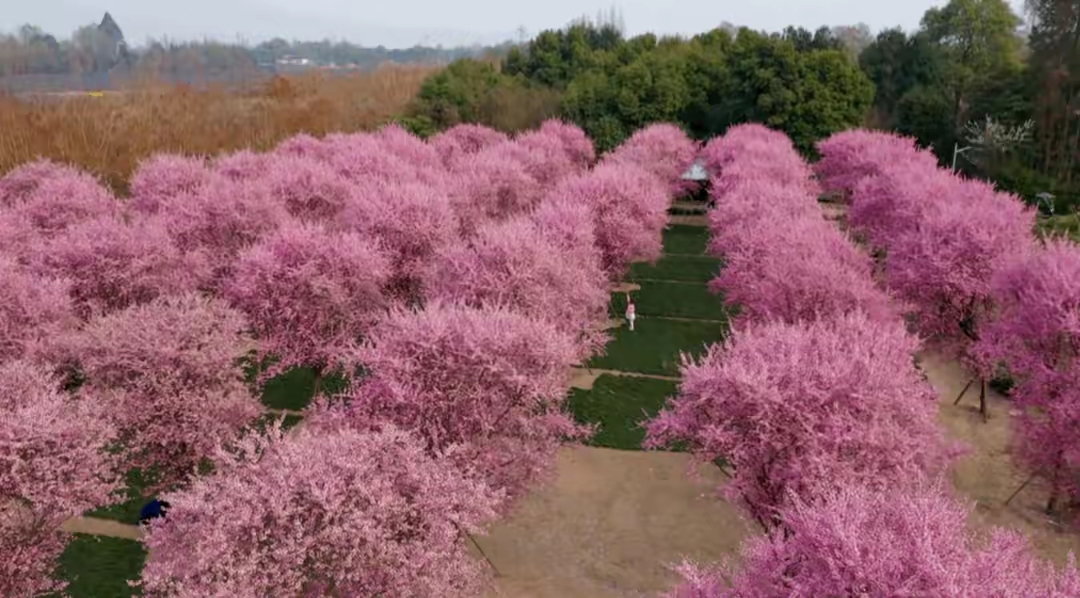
(631, 313)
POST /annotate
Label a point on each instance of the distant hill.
(98, 57)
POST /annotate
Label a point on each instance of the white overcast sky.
(403, 23)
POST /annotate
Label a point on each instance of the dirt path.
(102, 527)
(987, 475)
(689, 220)
(608, 525)
(584, 378)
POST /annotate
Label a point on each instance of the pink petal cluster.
(24, 180)
(221, 220)
(244, 165)
(464, 139)
(577, 145)
(34, 311)
(162, 178)
(662, 149)
(53, 465)
(308, 188)
(879, 544)
(310, 294)
(169, 373)
(412, 222)
(343, 513)
(491, 380)
(491, 185)
(113, 264)
(805, 407)
(59, 199)
(515, 264)
(848, 157)
(751, 151)
(629, 206)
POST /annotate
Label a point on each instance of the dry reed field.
(110, 133)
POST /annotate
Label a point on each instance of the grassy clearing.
(672, 299)
(688, 269)
(654, 347)
(683, 239)
(98, 567)
(619, 405)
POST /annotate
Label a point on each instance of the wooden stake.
(1018, 490)
(963, 392)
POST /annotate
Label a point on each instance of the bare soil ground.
(987, 474)
(609, 525)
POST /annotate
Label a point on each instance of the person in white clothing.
(631, 313)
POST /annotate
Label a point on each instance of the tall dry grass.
(109, 134)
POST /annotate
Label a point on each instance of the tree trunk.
(317, 386)
(1051, 503)
(963, 392)
(982, 400)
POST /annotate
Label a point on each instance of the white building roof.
(696, 172)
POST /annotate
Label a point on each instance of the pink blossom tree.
(490, 186)
(222, 219)
(244, 165)
(363, 157)
(806, 406)
(24, 180)
(752, 151)
(464, 139)
(171, 376)
(663, 149)
(308, 188)
(162, 178)
(490, 380)
(409, 148)
(412, 222)
(347, 513)
(309, 294)
(850, 156)
(60, 199)
(516, 264)
(878, 544)
(783, 260)
(943, 266)
(113, 265)
(53, 465)
(629, 208)
(569, 224)
(34, 311)
(575, 142)
(1035, 333)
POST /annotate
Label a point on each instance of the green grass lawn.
(619, 405)
(683, 239)
(295, 388)
(99, 567)
(690, 269)
(673, 299)
(655, 345)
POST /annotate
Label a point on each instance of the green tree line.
(973, 80)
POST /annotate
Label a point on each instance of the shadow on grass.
(619, 405)
(655, 346)
(98, 567)
(680, 238)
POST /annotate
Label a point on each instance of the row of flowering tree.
(454, 282)
(982, 286)
(817, 405)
